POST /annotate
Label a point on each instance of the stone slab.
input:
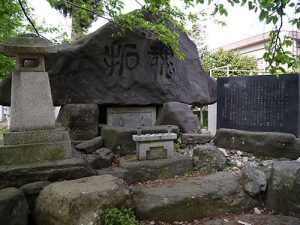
(190, 198)
(119, 139)
(21, 174)
(271, 144)
(188, 138)
(154, 137)
(36, 136)
(31, 102)
(156, 169)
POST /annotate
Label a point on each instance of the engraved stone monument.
(132, 70)
(33, 134)
(259, 103)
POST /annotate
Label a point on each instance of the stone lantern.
(33, 134)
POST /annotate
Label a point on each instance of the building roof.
(260, 38)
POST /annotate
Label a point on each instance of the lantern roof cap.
(27, 44)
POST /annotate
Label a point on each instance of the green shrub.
(114, 216)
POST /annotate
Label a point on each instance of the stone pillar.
(212, 118)
(31, 102)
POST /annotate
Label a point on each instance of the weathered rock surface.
(18, 175)
(102, 158)
(156, 169)
(253, 181)
(208, 159)
(13, 207)
(179, 114)
(119, 139)
(192, 198)
(277, 145)
(283, 193)
(90, 146)
(133, 70)
(117, 172)
(196, 138)
(79, 202)
(81, 120)
(31, 192)
(255, 219)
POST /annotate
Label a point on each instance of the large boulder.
(272, 144)
(283, 193)
(80, 119)
(192, 198)
(179, 114)
(13, 207)
(132, 70)
(208, 159)
(79, 202)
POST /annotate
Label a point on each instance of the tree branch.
(27, 17)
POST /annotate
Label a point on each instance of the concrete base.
(156, 169)
(35, 146)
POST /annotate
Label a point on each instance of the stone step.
(191, 198)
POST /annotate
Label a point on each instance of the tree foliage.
(84, 12)
(14, 22)
(222, 58)
(270, 12)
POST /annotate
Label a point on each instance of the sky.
(240, 22)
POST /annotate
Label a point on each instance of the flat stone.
(90, 146)
(21, 174)
(81, 120)
(208, 159)
(192, 198)
(179, 114)
(156, 169)
(13, 207)
(81, 201)
(119, 139)
(36, 136)
(196, 138)
(283, 193)
(255, 219)
(31, 102)
(272, 144)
